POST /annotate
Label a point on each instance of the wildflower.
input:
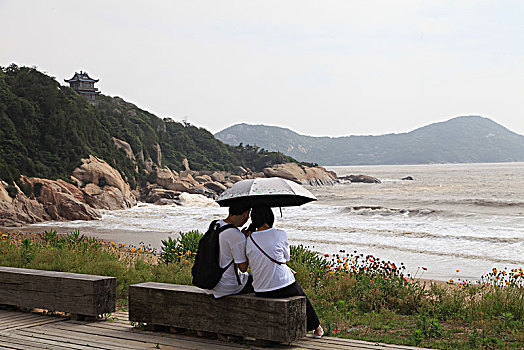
(458, 270)
(326, 255)
(145, 261)
(371, 281)
(425, 268)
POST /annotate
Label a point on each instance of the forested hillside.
(467, 139)
(46, 128)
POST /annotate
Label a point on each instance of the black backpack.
(207, 271)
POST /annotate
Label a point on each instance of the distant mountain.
(467, 139)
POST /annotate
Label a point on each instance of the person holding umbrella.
(267, 250)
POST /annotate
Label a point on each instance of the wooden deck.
(19, 330)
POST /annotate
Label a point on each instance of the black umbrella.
(273, 192)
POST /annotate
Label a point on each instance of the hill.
(467, 139)
(46, 128)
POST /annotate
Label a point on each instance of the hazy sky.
(318, 67)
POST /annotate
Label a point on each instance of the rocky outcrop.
(122, 145)
(18, 210)
(60, 199)
(115, 192)
(305, 175)
(360, 178)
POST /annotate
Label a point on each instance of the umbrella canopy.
(273, 192)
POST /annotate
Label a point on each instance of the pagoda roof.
(82, 76)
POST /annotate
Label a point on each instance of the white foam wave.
(196, 200)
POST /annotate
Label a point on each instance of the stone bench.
(81, 295)
(160, 304)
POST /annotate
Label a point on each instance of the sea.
(452, 221)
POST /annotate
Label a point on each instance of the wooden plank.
(281, 320)
(60, 291)
(86, 338)
(148, 337)
(13, 342)
(48, 339)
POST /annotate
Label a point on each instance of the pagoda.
(84, 85)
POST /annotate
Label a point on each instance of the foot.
(318, 332)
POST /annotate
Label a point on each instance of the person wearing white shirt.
(267, 250)
(232, 246)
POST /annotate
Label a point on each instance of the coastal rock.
(21, 210)
(305, 175)
(202, 179)
(57, 199)
(4, 196)
(407, 178)
(97, 171)
(165, 177)
(228, 184)
(234, 178)
(159, 193)
(116, 193)
(185, 164)
(122, 145)
(111, 198)
(360, 178)
(150, 165)
(218, 176)
(215, 186)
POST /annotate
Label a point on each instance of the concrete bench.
(160, 304)
(81, 295)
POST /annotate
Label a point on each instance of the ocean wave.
(383, 211)
(482, 203)
(413, 250)
(404, 233)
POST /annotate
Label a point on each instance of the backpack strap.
(219, 229)
(270, 258)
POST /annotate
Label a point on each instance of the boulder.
(218, 176)
(202, 179)
(59, 202)
(407, 178)
(228, 184)
(94, 170)
(110, 198)
(165, 177)
(187, 177)
(215, 186)
(116, 193)
(360, 178)
(234, 178)
(92, 190)
(159, 193)
(21, 210)
(301, 174)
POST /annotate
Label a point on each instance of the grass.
(355, 296)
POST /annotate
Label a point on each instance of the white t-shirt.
(232, 247)
(268, 275)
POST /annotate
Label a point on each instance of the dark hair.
(239, 207)
(261, 215)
